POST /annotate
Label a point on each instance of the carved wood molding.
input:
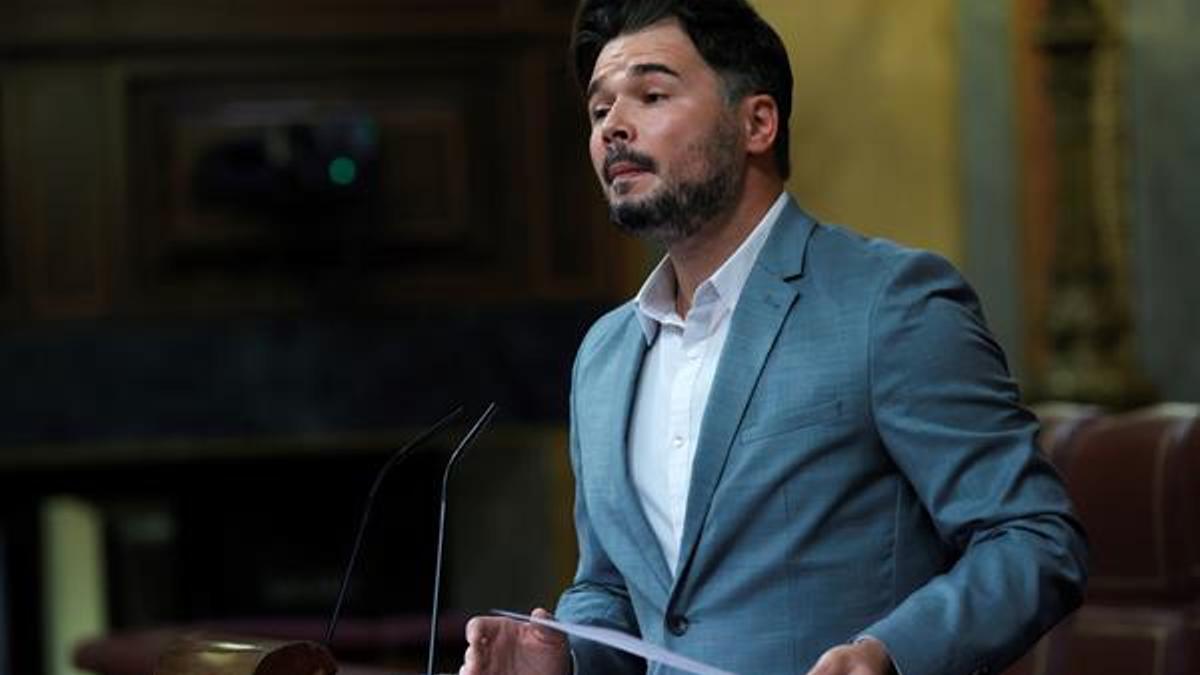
(1075, 226)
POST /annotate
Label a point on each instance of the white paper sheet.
(623, 641)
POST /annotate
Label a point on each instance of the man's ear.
(760, 119)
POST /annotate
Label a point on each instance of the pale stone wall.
(1164, 160)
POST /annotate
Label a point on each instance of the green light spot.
(342, 171)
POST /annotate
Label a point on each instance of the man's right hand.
(499, 646)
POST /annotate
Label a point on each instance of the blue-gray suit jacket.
(863, 467)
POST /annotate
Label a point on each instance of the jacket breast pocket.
(792, 420)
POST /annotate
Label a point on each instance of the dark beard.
(681, 209)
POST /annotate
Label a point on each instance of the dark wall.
(244, 254)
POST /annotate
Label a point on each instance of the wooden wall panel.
(57, 177)
(11, 275)
(473, 184)
(6, 280)
(105, 22)
(429, 219)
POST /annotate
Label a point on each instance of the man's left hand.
(865, 657)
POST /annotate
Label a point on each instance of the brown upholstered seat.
(1135, 481)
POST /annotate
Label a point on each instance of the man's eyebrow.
(636, 70)
(643, 69)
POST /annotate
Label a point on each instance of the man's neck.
(696, 258)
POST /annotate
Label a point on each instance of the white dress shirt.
(676, 378)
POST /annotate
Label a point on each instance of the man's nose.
(616, 126)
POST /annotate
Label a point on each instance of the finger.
(827, 664)
(822, 668)
(475, 661)
(478, 641)
(480, 629)
(471, 662)
(545, 633)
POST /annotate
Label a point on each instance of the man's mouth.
(626, 164)
(624, 170)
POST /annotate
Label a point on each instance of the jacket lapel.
(762, 307)
(619, 386)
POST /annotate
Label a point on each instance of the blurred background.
(248, 248)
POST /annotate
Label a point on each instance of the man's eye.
(655, 97)
(599, 112)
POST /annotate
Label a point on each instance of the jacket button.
(677, 624)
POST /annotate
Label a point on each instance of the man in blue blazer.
(796, 450)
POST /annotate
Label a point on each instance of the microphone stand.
(396, 457)
(437, 575)
(194, 654)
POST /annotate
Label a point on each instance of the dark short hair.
(729, 35)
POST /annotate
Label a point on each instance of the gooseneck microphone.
(466, 442)
(395, 459)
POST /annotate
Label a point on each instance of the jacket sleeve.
(949, 415)
(598, 595)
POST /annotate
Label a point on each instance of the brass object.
(1088, 329)
(208, 655)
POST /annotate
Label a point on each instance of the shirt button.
(677, 624)
(677, 441)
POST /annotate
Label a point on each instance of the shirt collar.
(654, 304)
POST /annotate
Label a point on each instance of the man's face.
(664, 143)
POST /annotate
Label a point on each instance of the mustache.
(621, 153)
